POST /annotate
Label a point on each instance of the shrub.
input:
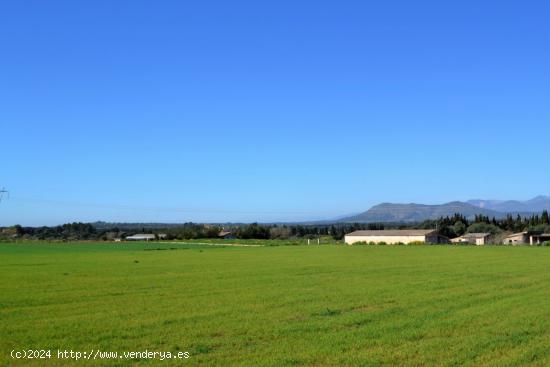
(547, 243)
(382, 243)
(416, 243)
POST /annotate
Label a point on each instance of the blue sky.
(174, 111)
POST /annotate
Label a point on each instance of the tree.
(483, 228)
(459, 228)
(544, 218)
(281, 233)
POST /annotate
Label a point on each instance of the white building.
(393, 236)
(141, 237)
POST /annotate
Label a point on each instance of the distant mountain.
(388, 212)
(535, 205)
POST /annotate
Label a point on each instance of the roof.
(476, 235)
(142, 235)
(224, 233)
(525, 233)
(394, 232)
(517, 234)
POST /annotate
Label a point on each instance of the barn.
(395, 236)
(141, 237)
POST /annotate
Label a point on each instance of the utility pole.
(2, 192)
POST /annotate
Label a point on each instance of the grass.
(278, 305)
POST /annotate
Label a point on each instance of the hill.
(388, 212)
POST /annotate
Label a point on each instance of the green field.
(278, 306)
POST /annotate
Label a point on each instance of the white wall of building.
(388, 239)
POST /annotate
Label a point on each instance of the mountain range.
(390, 212)
(535, 205)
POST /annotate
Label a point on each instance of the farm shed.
(538, 239)
(473, 238)
(396, 236)
(529, 238)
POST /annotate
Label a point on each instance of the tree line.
(450, 226)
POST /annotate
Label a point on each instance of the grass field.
(278, 306)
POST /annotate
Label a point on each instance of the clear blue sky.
(173, 111)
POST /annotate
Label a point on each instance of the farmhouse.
(225, 235)
(141, 237)
(396, 236)
(530, 238)
(473, 238)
